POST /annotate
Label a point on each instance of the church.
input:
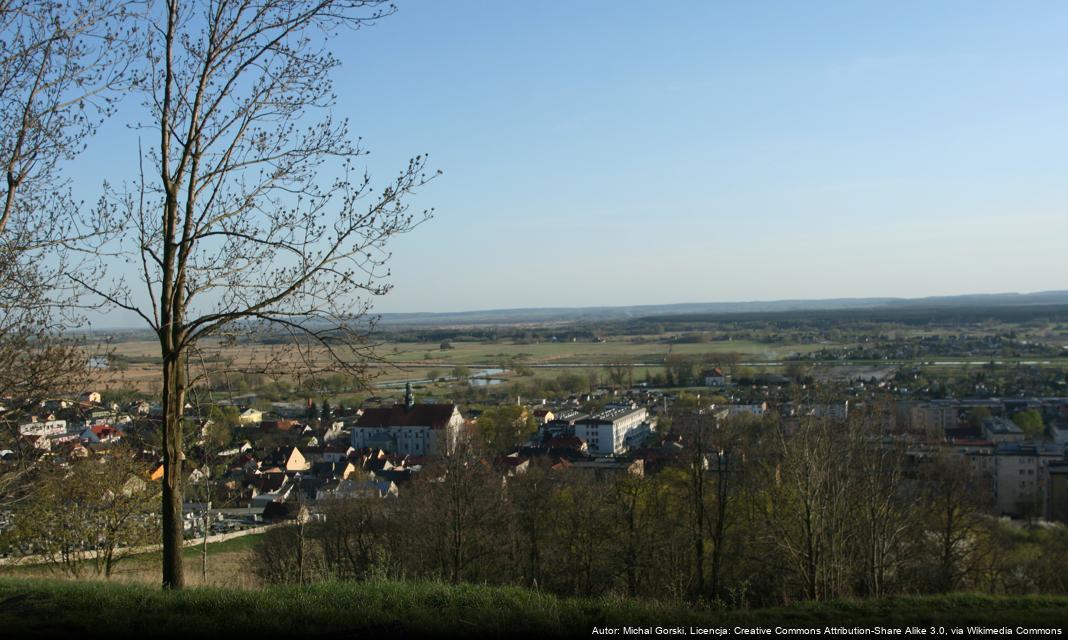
(410, 428)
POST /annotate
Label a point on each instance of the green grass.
(399, 608)
(232, 545)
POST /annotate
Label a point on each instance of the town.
(337, 462)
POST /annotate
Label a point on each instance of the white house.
(250, 416)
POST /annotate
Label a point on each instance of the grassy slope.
(228, 564)
(393, 608)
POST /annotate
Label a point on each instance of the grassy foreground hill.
(397, 609)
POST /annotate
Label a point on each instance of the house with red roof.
(100, 433)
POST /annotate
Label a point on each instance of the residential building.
(978, 453)
(605, 433)
(999, 430)
(934, 417)
(288, 460)
(1057, 494)
(562, 424)
(44, 428)
(1021, 470)
(543, 416)
(1059, 430)
(715, 377)
(250, 416)
(740, 409)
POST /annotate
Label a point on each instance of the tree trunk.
(173, 530)
(204, 548)
(300, 553)
(697, 523)
(720, 529)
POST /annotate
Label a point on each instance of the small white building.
(43, 428)
(715, 377)
(250, 416)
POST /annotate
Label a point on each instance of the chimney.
(409, 399)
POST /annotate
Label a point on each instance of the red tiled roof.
(565, 442)
(435, 416)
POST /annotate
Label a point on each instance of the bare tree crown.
(259, 213)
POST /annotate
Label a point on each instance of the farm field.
(139, 359)
(137, 367)
(467, 353)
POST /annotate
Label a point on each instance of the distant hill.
(586, 314)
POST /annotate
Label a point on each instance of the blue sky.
(616, 153)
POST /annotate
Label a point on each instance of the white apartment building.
(1020, 474)
(606, 433)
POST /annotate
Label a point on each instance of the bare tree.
(530, 495)
(885, 513)
(638, 508)
(807, 512)
(250, 215)
(695, 426)
(60, 64)
(620, 373)
(711, 471)
(350, 535)
(460, 518)
(953, 509)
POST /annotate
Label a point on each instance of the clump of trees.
(750, 512)
(88, 515)
(503, 428)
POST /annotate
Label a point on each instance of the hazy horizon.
(603, 154)
(807, 303)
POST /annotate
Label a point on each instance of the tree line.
(748, 512)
